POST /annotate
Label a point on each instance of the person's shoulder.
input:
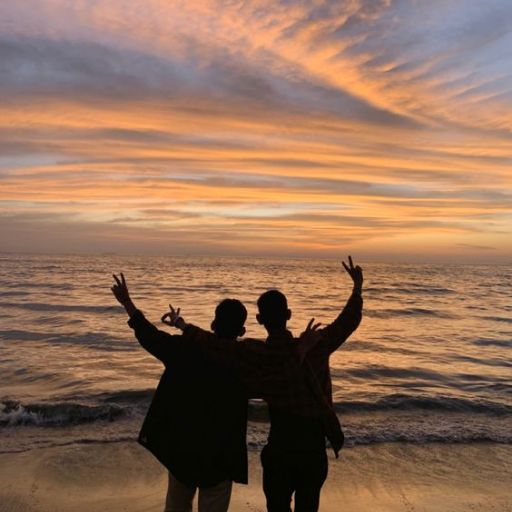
(252, 345)
(251, 341)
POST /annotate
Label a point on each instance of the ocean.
(430, 362)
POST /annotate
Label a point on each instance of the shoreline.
(388, 477)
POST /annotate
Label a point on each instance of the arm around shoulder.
(158, 343)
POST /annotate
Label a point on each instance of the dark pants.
(285, 472)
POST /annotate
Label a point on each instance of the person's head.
(273, 310)
(230, 317)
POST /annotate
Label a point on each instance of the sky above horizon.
(379, 128)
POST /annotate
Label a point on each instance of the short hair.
(273, 308)
(230, 317)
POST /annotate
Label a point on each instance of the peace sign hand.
(120, 290)
(308, 339)
(356, 273)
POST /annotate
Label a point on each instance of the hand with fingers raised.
(174, 319)
(308, 339)
(121, 293)
(356, 273)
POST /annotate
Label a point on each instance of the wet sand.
(387, 477)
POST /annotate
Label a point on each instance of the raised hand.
(308, 339)
(120, 290)
(173, 318)
(121, 293)
(356, 273)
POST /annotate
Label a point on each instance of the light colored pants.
(211, 499)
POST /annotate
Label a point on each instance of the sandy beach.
(387, 477)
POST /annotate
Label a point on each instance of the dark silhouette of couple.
(197, 421)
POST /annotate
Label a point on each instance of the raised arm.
(350, 317)
(158, 343)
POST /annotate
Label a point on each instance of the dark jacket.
(197, 421)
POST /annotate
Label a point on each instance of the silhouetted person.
(294, 459)
(301, 415)
(196, 424)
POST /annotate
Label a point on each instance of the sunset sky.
(269, 127)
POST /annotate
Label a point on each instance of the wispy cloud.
(280, 127)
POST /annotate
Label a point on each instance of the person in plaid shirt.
(301, 415)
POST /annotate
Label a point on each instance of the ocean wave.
(486, 362)
(258, 411)
(193, 288)
(493, 342)
(78, 409)
(13, 413)
(45, 285)
(41, 306)
(393, 312)
(380, 346)
(375, 372)
(96, 340)
(73, 409)
(498, 319)
(19, 335)
(13, 293)
(405, 419)
(127, 396)
(410, 289)
(439, 403)
(452, 436)
(25, 447)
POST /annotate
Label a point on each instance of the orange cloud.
(282, 128)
